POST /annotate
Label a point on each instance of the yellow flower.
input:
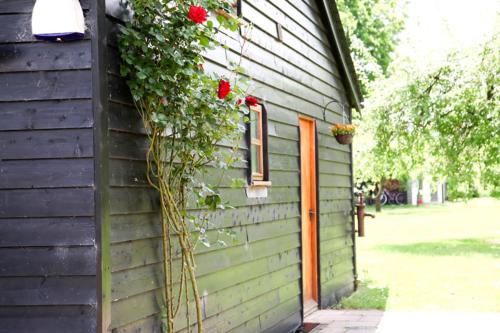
(340, 129)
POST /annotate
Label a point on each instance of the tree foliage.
(444, 123)
(372, 28)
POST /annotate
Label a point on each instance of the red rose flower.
(197, 14)
(239, 101)
(224, 89)
(251, 101)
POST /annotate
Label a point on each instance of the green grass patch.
(435, 257)
(455, 247)
(366, 297)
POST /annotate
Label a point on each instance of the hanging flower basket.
(343, 133)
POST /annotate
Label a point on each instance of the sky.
(435, 27)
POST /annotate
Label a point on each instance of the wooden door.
(308, 216)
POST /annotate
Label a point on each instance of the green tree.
(372, 28)
(444, 123)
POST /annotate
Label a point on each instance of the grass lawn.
(431, 258)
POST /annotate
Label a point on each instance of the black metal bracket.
(334, 101)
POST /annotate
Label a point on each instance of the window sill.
(257, 189)
(261, 183)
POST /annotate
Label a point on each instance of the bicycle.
(392, 197)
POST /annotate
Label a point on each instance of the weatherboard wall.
(63, 178)
(47, 217)
(254, 284)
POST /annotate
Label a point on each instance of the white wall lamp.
(58, 20)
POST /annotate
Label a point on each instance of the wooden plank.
(46, 144)
(225, 300)
(16, 28)
(124, 310)
(237, 315)
(215, 303)
(335, 218)
(149, 251)
(128, 173)
(46, 115)
(45, 85)
(46, 173)
(286, 317)
(286, 114)
(284, 178)
(74, 290)
(281, 130)
(151, 324)
(333, 168)
(133, 200)
(128, 146)
(336, 244)
(260, 231)
(134, 226)
(283, 162)
(293, 49)
(47, 261)
(29, 57)
(254, 214)
(47, 232)
(251, 326)
(335, 291)
(342, 230)
(135, 308)
(125, 118)
(48, 319)
(333, 155)
(236, 197)
(138, 280)
(291, 80)
(292, 21)
(337, 258)
(290, 324)
(283, 146)
(47, 202)
(338, 272)
(301, 102)
(333, 206)
(136, 253)
(335, 180)
(119, 91)
(26, 6)
(334, 193)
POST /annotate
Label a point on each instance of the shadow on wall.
(454, 247)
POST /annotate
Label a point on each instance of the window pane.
(255, 158)
(254, 125)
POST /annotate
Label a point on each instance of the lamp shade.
(58, 20)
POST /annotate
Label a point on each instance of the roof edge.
(331, 16)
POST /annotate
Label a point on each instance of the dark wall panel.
(45, 85)
(37, 115)
(47, 225)
(55, 231)
(48, 319)
(41, 56)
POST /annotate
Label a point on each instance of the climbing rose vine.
(187, 112)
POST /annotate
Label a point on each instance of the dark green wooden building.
(80, 246)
